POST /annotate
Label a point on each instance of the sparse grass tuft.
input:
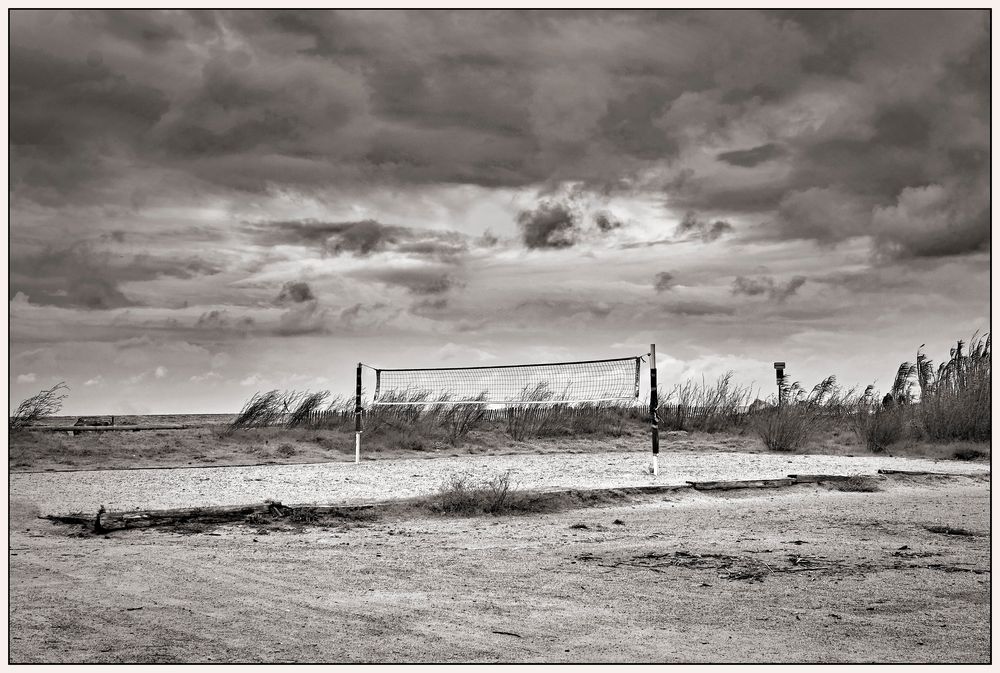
(463, 495)
(857, 484)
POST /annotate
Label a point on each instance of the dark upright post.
(653, 419)
(779, 374)
(357, 418)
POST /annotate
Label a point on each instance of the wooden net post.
(653, 419)
(357, 418)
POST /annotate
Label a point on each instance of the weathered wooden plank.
(918, 473)
(104, 428)
(817, 478)
(732, 485)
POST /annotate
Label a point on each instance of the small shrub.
(878, 426)
(969, 454)
(45, 403)
(787, 427)
(463, 495)
(956, 401)
(286, 450)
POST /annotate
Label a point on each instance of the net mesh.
(592, 381)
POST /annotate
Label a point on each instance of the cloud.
(304, 318)
(751, 157)
(550, 225)
(83, 275)
(425, 280)
(607, 222)
(96, 381)
(221, 320)
(934, 220)
(295, 293)
(160, 372)
(204, 378)
(252, 380)
(664, 281)
(26, 378)
(766, 285)
(362, 238)
(690, 225)
(825, 214)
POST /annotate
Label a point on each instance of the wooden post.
(357, 418)
(779, 374)
(653, 420)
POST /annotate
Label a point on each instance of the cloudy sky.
(207, 204)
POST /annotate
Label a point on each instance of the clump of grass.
(308, 405)
(857, 484)
(705, 407)
(464, 495)
(460, 419)
(969, 454)
(878, 422)
(531, 414)
(785, 428)
(262, 410)
(955, 401)
(799, 415)
(38, 406)
(286, 450)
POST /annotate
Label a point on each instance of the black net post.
(357, 418)
(653, 416)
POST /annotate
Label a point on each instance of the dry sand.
(120, 490)
(836, 577)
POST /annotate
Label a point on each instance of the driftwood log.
(104, 428)
(105, 521)
(817, 478)
(732, 485)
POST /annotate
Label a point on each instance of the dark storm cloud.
(766, 285)
(70, 120)
(85, 276)
(431, 280)
(555, 308)
(664, 281)
(694, 308)
(362, 238)
(295, 293)
(751, 157)
(149, 30)
(220, 320)
(607, 222)
(690, 225)
(305, 318)
(550, 225)
(870, 106)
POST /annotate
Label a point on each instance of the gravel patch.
(335, 483)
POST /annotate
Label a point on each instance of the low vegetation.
(857, 484)
(41, 405)
(705, 407)
(956, 400)
(941, 412)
